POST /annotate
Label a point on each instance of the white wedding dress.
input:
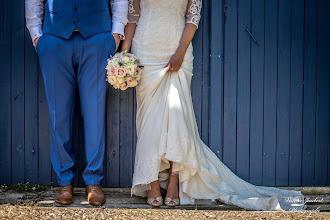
(166, 124)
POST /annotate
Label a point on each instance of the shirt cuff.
(35, 32)
(118, 28)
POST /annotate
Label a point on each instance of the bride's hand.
(175, 62)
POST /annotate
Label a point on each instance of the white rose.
(125, 59)
(115, 65)
(121, 80)
(112, 79)
(116, 85)
(130, 70)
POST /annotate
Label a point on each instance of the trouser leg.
(92, 54)
(55, 56)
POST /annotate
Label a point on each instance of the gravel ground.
(31, 212)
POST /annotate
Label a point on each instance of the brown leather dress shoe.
(65, 195)
(95, 195)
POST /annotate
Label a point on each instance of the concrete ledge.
(310, 190)
(315, 198)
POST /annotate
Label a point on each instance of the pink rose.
(137, 71)
(111, 72)
(120, 72)
(118, 56)
(132, 84)
(129, 80)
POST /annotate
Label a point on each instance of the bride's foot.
(172, 195)
(154, 197)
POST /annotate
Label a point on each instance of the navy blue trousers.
(66, 64)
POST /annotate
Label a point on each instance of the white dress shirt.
(34, 12)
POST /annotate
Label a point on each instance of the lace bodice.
(193, 9)
(160, 26)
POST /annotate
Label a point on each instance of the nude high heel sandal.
(172, 202)
(169, 201)
(159, 199)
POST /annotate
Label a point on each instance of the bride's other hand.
(175, 62)
(129, 34)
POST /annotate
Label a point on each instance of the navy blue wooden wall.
(260, 91)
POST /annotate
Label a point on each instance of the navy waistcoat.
(89, 16)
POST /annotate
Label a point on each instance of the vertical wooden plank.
(126, 138)
(322, 93)
(296, 98)
(113, 118)
(197, 79)
(5, 92)
(283, 99)
(31, 110)
(205, 19)
(216, 77)
(230, 85)
(257, 79)
(243, 89)
(45, 167)
(309, 92)
(270, 93)
(18, 94)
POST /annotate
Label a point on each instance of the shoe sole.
(97, 204)
(63, 203)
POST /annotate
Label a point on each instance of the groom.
(73, 40)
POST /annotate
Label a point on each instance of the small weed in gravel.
(24, 188)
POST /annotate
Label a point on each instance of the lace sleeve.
(133, 11)
(193, 13)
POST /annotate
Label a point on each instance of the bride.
(169, 151)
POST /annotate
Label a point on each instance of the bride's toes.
(156, 202)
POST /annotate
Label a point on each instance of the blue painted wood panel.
(257, 88)
(322, 94)
(283, 91)
(5, 92)
(18, 93)
(261, 94)
(296, 92)
(230, 85)
(243, 89)
(216, 76)
(270, 93)
(310, 51)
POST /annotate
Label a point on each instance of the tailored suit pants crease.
(66, 64)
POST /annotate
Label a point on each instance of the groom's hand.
(117, 39)
(35, 42)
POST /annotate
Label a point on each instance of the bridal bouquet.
(123, 70)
